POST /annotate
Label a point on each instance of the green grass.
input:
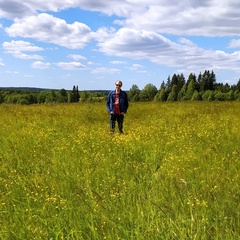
(173, 174)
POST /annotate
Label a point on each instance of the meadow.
(173, 174)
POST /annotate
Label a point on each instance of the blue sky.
(92, 43)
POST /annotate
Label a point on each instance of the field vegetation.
(173, 174)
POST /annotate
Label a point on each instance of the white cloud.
(135, 67)
(16, 48)
(234, 43)
(141, 44)
(71, 65)
(104, 33)
(46, 28)
(12, 9)
(105, 71)
(188, 17)
(1, 62)
(140, 32)
(18, 54)
(40, 65)
(20, 9)
(137, 44)
(21, 46)
(118, 62)
(76, 57)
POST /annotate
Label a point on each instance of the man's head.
(118, 84)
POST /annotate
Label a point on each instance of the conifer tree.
(190, 90)
(173, 94)
(75, 94)
(182, 93)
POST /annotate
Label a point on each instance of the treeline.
(177, 88)
(18, 96)
(196, 88)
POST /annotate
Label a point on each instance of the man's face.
(118, 85)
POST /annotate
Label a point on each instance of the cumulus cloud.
(16, 48)
(137, 44)
(18, 54)
(135, 67)
(71, 65)
(143, 30)
(40, 65)
(141, 44)
(76, 57)
(104, 70)
(46, 28)
(189, 17)
(15, 9)
(21, 46)
(118, 62)
(234, 43)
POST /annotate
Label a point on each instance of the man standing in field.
(117, 105)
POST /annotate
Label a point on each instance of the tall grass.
(173, 174)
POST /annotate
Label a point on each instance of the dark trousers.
(119, 118)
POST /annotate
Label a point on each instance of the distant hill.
(32, 89)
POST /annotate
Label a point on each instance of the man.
(117, 105)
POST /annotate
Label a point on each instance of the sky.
(92, 43)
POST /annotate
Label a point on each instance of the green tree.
(133, 94)
(230, 95)
(1, 98)
(69, 97)
(178, 80)
(41, 97)
(148, 93)
(62, 96)
(207, 81)
(174, 80)
(196, 96)
(51, 97)
(84, 96)
(219, 96)
(190, 89)
(238, 85)
(237, 95)
(173, 94)
(192, 77)
(207, 95)
(75, 95)
(23, 101)
(161, 95)
(168, 84)
(182, 93)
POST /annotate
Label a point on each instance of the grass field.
(173, 174)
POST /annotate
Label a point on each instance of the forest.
(176, 88)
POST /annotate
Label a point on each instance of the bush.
(206, 95)
(196, 96)
(219, 96)
(23, 101)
